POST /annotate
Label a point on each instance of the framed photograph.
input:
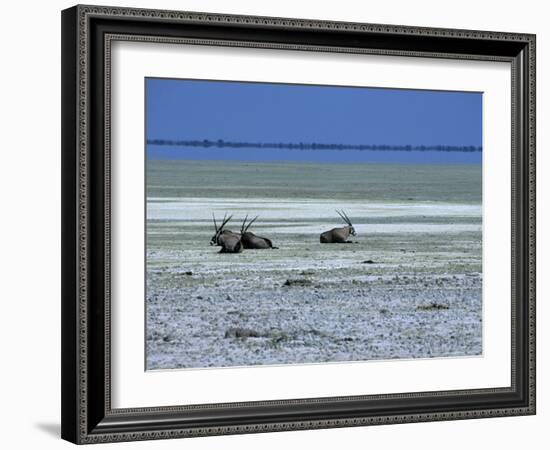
(278, 224)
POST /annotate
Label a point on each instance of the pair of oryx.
(231, 242)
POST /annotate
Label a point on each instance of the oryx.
(250, 240)
(228, 241)
(339, 235)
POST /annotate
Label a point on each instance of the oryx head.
(219, 230)
(244, 226)
(345, 218)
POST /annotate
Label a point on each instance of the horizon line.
(311, 162)
(221, 143)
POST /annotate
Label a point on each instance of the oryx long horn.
(225, 220)
(250, 223)
(244, 223)
(346, 217)
(341, 216)
(215, 224)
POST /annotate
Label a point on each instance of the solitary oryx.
(339, 235)
(228, 241)
(250, 240)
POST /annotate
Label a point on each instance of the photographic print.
(299, 224)
(279, 205)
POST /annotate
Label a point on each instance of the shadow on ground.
(53, 429)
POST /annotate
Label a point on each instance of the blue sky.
(269, 112)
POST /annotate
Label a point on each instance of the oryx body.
(250, 240)
(228, 241)
(339, 235)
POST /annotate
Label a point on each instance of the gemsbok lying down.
(250, 240)
(228, 241)
(339, 235)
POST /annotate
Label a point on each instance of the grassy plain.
(408, 287)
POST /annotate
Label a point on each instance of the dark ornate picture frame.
(87, 34)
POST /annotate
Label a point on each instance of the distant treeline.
(220, 143)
